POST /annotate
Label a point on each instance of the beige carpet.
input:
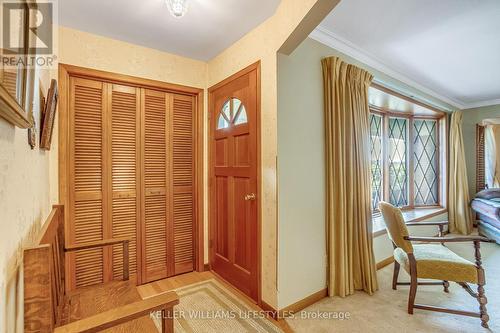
(386, 310)
(210, 307)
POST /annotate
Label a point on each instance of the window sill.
(411, 215)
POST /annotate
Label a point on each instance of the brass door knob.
(250, 197)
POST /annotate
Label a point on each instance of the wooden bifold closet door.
(131, 175)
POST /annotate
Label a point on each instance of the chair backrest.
(44, 275)
(395, 225)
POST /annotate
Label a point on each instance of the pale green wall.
(301, 193)
(301, 174)
(472, 117)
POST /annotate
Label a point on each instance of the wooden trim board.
(303, 303)
(129, 80)
(270, 311)
(380, 87)
(11, 111)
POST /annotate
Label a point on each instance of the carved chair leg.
(481, 281)
(482, 306)
(395, 275)
(446, 285)
(413, 284)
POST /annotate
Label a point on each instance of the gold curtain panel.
(459, 213)
(348, 212)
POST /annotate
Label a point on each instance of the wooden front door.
(234, 243)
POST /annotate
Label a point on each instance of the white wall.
(301, 169)
(301, 174)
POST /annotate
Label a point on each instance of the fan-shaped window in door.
(232, 113)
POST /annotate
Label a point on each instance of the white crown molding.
(340, 44)
(483, 103)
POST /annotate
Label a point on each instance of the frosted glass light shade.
(178, 8)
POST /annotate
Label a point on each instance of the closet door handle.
(250, 197)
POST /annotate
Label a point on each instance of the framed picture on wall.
(17, 81)
(48, 116)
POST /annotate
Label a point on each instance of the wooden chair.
(434, 261)
(113, 305)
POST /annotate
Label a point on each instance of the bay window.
(407, 158)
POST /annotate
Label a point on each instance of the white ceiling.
(449, 49)
(209, 27)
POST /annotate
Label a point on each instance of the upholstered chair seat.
(431, 259)
(437, 262)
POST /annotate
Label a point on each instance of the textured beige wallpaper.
(24, 203)
(92, 51)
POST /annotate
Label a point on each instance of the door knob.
(250, 197)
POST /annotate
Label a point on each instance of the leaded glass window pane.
(376, 158)
(226, 109)
(222, 122)
(426, 162)
(241, 115)
(232, 112)
(398, 161)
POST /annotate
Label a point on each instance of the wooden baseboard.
(303, 303)
(206, 267)
(272, 312)
(385, 262)
(285, 326)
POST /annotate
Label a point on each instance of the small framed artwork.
(32, 132)
(48, 116)
(36, 119)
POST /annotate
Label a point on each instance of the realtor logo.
(27, 35)
(27, 27)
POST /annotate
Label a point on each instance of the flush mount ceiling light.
(178, 8)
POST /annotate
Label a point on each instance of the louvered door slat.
(86, 210)
(155, 185)
(124, 173)
(182, 182)
(131, 175)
